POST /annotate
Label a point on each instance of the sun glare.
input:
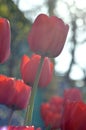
(81, 4)
(29, 4)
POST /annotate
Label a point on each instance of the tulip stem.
(29, 112)
(10, 116)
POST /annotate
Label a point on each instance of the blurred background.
(70, 66)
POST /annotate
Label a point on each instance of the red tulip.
(51, 112)
(14, 93)
(5, 37)
(57, 103)
(48, 35)
(22, 95)
(72, 94)
(74, 116)
(29, 68)
(19, 128)
(6, 90)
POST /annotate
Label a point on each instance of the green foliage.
(19, 30)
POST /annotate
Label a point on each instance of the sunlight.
(81, 4)
(29, 4)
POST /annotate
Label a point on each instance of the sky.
(80, 54)
(29, 4)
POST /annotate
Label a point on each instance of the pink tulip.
(48, 35)
(5, 37)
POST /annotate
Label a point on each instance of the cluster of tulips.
(65, 113)
(46, 40)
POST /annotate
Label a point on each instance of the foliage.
(19, 31)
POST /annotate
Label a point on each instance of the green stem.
(10, 116)
(29, 112)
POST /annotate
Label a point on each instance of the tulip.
(14, 93)
(72, 94)
(22, 96)
(29, 67)
(74, 116)
(48, 35)
(5, 37)
(19, 128)
(7, 90)
(51, 112)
